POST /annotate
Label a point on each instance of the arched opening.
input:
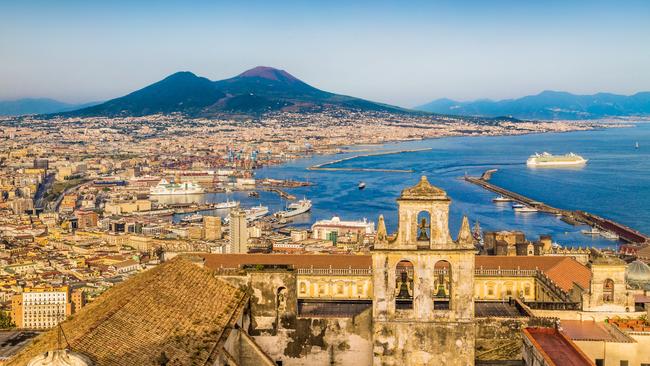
(423, 228)
(442, 285)
(280, 305)
(608, 290)
(404, 285)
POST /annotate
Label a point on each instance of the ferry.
(362, 185)
(193, 218)
(227, 204)
(501, 199)
(546, 159)
(164, 188)
(295, 209)
(256, 212)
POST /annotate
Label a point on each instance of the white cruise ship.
(166, 188)
(295, 209)
(546, 159)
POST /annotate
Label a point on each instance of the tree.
(5, 321)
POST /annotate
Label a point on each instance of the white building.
(335, 227)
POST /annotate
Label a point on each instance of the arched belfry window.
(424, 227)
(608, 290)
(404, 285)
(442, 285)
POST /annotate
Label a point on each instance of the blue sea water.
(615, 183)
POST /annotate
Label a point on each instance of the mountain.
(182, 91)
(549, 105)
(36, 106)
(258, 90)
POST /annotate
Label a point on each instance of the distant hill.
(261, 89)
(549, 105)
(36, 106)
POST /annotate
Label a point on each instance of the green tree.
(5, 321)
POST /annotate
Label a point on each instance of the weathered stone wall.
(406, 344)
(321, 341)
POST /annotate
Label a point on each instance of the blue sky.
(404, 53)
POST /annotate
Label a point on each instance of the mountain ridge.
(548, 104)
(253, 92)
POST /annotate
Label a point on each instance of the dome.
(638, 272)
(61, 357)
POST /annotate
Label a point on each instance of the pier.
(324, 167)
(624, 233)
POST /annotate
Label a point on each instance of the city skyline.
(399, 54)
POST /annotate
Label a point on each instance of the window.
(424, 226)
(625, 363)
(600, 362)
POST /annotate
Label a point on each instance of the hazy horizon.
(402, 54)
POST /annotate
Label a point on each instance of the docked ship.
(256, 212)
(227, 204)
(193, 218)
(295, 209)
(546, 159)
(169, 188)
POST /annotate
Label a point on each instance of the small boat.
(636, 146)
(192, 218)
(227, 204)
(362, 185)
(501, 199)
(592, 231)
(517, 205)
(253, 194)
(525, 209)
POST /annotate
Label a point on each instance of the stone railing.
(335, 271)
(505, 272)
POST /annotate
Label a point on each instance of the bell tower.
(423, 283)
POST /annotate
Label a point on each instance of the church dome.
(61, 357)
(638, 273)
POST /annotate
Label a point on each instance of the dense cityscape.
(403, 184)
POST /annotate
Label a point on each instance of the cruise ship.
(546, 159)
(295, 209)
(166, 188)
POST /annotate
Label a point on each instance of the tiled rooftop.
(556, 348)
(177, 308)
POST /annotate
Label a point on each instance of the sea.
(615, 183)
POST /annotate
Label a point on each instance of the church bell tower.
(423, 283)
